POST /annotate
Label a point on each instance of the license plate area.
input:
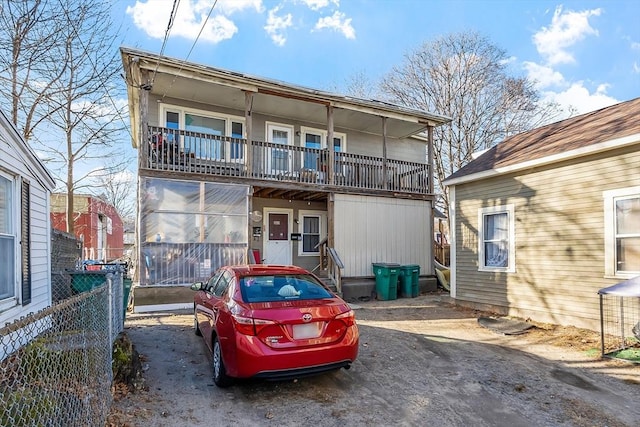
(306, 331)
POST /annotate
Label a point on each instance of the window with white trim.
(312, 230)
(496, 239)
(622, 232)
(203, 123)
(317, 139)
(8, 239)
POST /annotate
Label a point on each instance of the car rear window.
(281, 288)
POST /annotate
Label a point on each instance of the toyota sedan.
(272, 322)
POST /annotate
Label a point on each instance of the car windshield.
(281, 288)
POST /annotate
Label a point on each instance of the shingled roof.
(570, 135)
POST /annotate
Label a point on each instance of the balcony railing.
(194, 152)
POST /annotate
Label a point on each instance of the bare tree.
(118, 188)
(62, 76)
(464, 76)
(29, 31)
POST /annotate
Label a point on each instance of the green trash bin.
(86, 280)
(126, 283)
(409, 281)
(386, 280)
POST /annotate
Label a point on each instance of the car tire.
(220, 377)
(196, 327)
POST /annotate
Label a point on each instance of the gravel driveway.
(422, 362)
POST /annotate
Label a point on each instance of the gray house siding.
(559, 238)
(407, 149)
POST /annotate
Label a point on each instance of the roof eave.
(573, 154)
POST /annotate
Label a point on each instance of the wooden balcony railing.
(194, 152)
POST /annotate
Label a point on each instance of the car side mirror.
(197, 286)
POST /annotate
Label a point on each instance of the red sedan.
(274, 322)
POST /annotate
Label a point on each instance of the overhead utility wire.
(192, 46)
(172, 16)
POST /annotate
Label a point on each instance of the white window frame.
(322, 215)
(493, 210)
(181, 111)
(14, 210)
(610, 197)
(323, 137)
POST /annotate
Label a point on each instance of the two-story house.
(235, 168)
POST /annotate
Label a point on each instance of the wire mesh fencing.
(55, 365)
(620, 324)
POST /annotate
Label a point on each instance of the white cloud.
(543, 76)
(579, 97)
(276, 26)
(566, 29)
(338, 22)
(152, 17)
(320, 4)
(636, 68)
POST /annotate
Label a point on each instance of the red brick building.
(96, 224)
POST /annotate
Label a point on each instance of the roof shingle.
(588, 129)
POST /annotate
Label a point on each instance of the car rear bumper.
(256, 359)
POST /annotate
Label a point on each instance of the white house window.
(317, 139)
(622, 232)
(312, 230)
(496, 248)
(7, 239)
(203, 125)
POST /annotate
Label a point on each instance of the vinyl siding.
(376, 229)
(15, 161)
(559, 233)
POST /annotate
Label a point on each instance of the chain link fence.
(56, 365)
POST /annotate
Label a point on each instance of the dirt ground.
(422, 362)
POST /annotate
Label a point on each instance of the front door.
(277, 244)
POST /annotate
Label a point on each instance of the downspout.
(430, 191)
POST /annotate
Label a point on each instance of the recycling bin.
(86, 280)
(386, 280)
(409, 281)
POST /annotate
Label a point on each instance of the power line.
(174, 10)
(192, 47)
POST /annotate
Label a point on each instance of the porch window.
(204, 147)
(206, 127)
(496, 240)
(317, 139)
(622, 232)
(7, 239)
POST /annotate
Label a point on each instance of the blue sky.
(581, 53)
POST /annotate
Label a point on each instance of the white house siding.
(559, 234)
(17, 160)
(375, 229)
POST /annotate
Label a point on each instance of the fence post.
(110, 306)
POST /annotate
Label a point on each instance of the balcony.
(188, 152)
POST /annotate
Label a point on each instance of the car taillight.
(249, 325)
(349, 318)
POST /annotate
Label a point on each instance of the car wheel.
(220, 377)
(196, 327)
